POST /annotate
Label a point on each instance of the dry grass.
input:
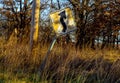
(64, 64)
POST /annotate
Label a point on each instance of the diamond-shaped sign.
(63, 20)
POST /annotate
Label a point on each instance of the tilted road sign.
(62, 20)
(63, 23)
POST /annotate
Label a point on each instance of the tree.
(17, 14)
(35, 23)
(82, 12)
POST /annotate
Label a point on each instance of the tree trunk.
(34, 23)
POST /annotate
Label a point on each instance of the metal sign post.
(45, 58)
(63, 24)
(42, 66)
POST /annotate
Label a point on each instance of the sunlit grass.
(65, 64)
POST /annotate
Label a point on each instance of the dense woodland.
(26, 32)
(98, 21)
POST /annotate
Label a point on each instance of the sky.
(1, 3)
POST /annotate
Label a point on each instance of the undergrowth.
(65, 64)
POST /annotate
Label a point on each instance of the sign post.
(63, 23)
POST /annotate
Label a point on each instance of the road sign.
(63, 23)
(62, 20)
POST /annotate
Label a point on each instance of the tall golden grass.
(65, 64)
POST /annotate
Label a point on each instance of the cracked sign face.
(62, 20)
